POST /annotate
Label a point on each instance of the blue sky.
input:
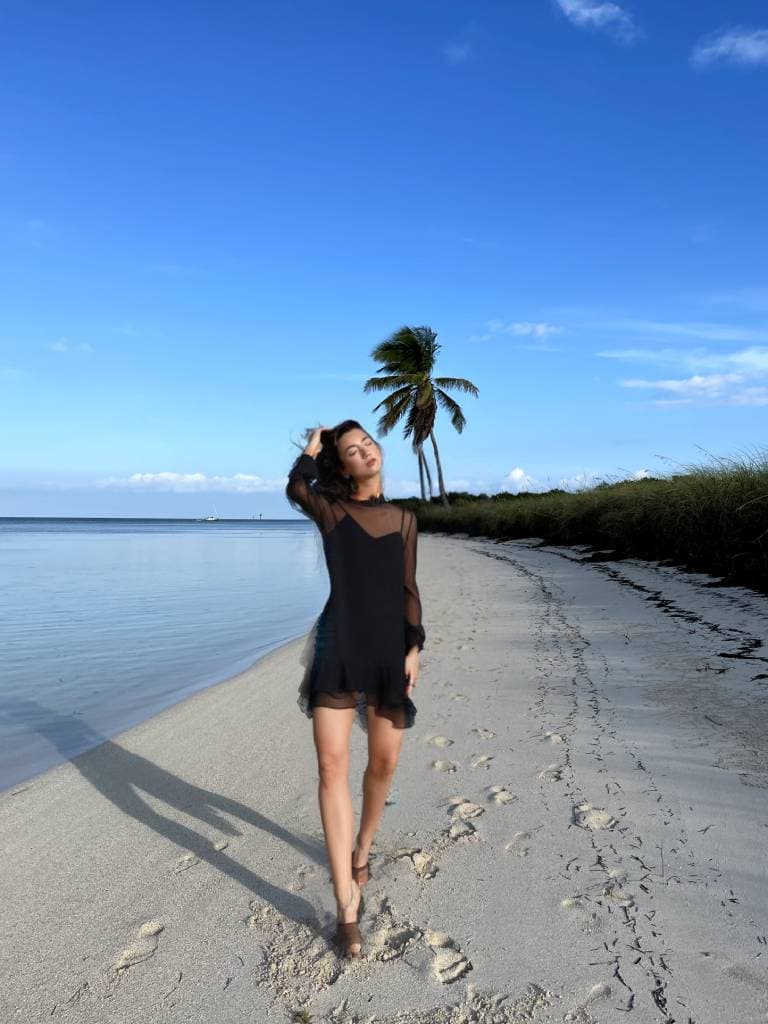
(211, 213)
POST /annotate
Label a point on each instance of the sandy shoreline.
(578, 829)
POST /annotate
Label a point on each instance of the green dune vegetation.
(710, 518)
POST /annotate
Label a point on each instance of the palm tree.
(408, 357)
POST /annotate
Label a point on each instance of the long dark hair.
(331, 480)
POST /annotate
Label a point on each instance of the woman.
(366, 645)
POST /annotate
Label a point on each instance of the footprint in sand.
(445, 766)
(500, 795)
(552, 773)
(440, 741)
(460, 696)
(554, 737)
(614, 890)
(484, 734)
(390, 939)
(592, 922)
(424, 864)
(463, 808)
(449, 962)
(581, 1014)
(298, 960)
(519, 845)
(594, 818)
(481, 761)
(462, 830)
(186, 862)
(144, 947)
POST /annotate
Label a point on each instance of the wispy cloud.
(538, 331)
(13, 373)
(683, 329)
(601, 16)
(457, 53)
(753, 359)
(128, 330)
(719, 378)
(239, 483)
(524, 328)
(64, 345)
(737, 45)
(750, 300)
(716, 388)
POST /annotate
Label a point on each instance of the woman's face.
(360, 455)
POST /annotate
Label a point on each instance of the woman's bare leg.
(332, 727)
(385, 738)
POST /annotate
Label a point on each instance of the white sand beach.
(578, 826)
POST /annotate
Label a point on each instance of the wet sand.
(577, 827)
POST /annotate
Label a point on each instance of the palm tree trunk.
(420, 457)
(426, 470)
(440, 480)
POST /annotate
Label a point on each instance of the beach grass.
(709, 518)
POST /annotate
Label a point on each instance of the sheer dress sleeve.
(414, 630)
(302, 495)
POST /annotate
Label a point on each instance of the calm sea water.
(105, 622)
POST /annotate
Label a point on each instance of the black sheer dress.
(355, 652)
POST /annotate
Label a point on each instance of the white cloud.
(715, 388)
(737, 45)
(752, 360)
(518, 480)
(457, 53)
(721, 378)
(696, 385)
(601, 17)
(63, 345)
(540, 330)
(239, 483)
(706, 332)
(523, 328)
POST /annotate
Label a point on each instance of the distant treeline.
(711, 519)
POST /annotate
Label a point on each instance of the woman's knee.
(382, 765)
(332, 766)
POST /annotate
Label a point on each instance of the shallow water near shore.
(105, 622)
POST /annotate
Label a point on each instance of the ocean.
(105, 622)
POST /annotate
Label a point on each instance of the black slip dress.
(355, 652)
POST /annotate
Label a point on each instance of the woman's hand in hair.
(314, 444)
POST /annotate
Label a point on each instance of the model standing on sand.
(367, 644)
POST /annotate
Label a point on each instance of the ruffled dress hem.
(307, 689)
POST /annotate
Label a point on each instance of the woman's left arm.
(414, 629)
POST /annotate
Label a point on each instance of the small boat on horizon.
(210, 519)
